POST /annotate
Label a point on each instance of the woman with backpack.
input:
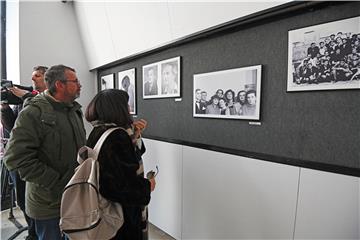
(121, 177)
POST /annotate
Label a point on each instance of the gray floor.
(8, 228)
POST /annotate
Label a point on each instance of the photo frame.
(107, 82)
(162, 79)
(325, 56)
(127, 82)
(228, 94)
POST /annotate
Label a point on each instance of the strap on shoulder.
(103, 138)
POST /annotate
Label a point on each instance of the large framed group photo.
(325, 56)
(228, 94)
(162, 79)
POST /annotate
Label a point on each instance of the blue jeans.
(48, 229)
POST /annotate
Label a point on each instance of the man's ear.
(59, 85)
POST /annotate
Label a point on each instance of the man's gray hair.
(56, 73)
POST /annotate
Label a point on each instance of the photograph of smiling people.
(241, 98)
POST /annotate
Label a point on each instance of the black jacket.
(119, 181)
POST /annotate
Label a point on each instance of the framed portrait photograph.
(162, 79)
(107, 82)
(325, 56)
(127, 82)
(229, 94)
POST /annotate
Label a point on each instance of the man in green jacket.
(43, 147)
(8, 117)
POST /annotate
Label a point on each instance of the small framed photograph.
(127, 82)
(228, 94)
(107, 82)
(162, 79)
(325, 56)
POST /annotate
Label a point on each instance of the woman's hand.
(152, 183)
(139, 126)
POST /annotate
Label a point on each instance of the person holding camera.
(8, 117)
(43, 147)
(16, 95)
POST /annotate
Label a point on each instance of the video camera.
(7, 96)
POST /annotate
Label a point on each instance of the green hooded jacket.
(43, 148)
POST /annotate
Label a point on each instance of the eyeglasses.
(74, 81)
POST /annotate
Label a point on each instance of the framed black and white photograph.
(127, 82)
(228, 94)
(325, 56)
(107, 82)
(162, 79)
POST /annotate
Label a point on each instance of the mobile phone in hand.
(152, 174)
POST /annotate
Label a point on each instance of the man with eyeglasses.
(43, 147)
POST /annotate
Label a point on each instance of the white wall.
(49, 36)
(165, 208)
(95, 32)
(187, 17)
(222, 196)
(328, 206)
(12, 41)
(232, 197)
(112, 30)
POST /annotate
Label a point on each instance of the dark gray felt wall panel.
(316, 126)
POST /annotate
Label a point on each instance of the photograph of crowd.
(127, 82)
(107, 82)
(325, 56)
(162, 79)
(229, 94)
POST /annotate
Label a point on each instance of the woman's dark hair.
(213, 97)
(233, 95)
(222, 99)
(110, 106)
(222, 91)
(125, 79)
(238, 96)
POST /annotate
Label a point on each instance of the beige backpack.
(84, 213)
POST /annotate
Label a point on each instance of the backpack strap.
(102, 140)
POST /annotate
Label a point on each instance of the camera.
(6, 84)
(7, 96)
